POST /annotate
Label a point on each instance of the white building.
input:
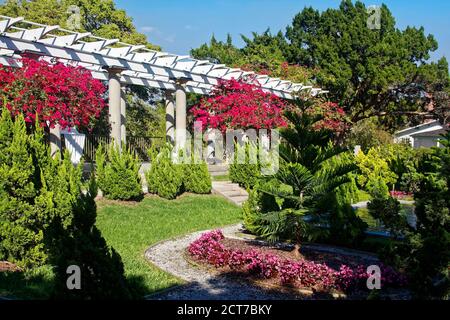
(423, 135)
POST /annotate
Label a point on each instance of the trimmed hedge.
(168, 179)
(118, 174)
(196, 177)
(245, 174)
(164, 177)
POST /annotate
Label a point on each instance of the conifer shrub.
(45, 218)
(164, 178)
(118, 174)
(245, 172)
(196, 177)
(21, 224)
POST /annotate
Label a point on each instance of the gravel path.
(201, 284)
(204, 284)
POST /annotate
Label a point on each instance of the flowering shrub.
(59, 94)
(301, 273)
(238, 104)
(334, 117)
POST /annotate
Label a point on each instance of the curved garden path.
(201, 285)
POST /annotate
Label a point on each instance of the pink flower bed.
(400, 194)
(210, 249)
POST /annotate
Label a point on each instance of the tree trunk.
(297, 253)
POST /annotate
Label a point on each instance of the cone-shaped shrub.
(196, 177)
(118, 174)
(164, 178)
(244, 171)
(21, 226)
(46, 218)
(75, 240)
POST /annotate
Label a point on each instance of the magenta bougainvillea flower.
(57, 93)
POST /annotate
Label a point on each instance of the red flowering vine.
(238, 104)
(334, 117)
(58, 94)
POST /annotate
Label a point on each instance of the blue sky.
(179, 25)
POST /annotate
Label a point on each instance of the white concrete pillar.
(180, 118)
(55, 140)
(170, 116)
(210, 155)
(123, 116)
(115, 105)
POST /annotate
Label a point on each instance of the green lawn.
(131, 229)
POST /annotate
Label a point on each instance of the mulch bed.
(6, 266)
(332, 260)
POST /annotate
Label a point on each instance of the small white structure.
(424, 135)
(74, 144)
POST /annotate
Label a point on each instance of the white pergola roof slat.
(141, 66)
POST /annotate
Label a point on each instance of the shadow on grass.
(37, 284)
(234, 286)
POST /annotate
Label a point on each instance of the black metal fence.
(138, 145)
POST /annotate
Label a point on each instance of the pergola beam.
(129, 57)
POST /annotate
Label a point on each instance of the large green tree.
(371, 72)
(263, 53)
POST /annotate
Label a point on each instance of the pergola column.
(55, 140)
(115, 97)
(170, 116)
(123, 116)
(181, 113)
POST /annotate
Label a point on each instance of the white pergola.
(123, 64)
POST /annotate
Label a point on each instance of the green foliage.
(246, 167)
(263, 53)
(118, 174)
(430, 245)
(77, 241)
(314, 180)
(21, 224)
(425, 253)
(100, 17)
(368, 134)
(381, 72)
(144, 120)
(387, 210)
(250, 210)
(196, 177)
(164, 178)
(46, 218)
(404, 161)
(375, 174)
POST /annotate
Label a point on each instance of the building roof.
(434, 133)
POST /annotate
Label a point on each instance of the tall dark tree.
(371, 72)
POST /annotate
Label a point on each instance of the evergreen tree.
(164, 178)
(118, 174)
(21, 227)
(196, 177)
